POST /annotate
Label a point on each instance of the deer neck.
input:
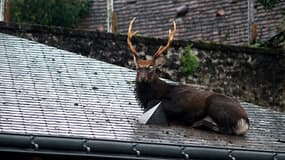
(149, 92)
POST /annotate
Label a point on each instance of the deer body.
(176, 99)
(185, 104)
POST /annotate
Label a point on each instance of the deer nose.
(142, 76)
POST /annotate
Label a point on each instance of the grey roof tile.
(47, 91)
(152, 17)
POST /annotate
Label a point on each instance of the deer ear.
(159, 61)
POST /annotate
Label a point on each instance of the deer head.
(146, 68)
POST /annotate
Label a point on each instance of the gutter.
(114, 149)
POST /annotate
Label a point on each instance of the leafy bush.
(49, 12)
(190, 62)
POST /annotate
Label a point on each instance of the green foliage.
(268, 4)
(190, 62)
(64, 13)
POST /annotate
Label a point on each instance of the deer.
(184, 104)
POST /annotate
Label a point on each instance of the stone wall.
(252, 75)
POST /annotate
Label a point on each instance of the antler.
(130, 36)
(171, 34)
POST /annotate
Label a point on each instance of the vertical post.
(114, 22)
(6, 11)
(2, 2)
(110, 9)
(251, 25)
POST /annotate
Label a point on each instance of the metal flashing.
(138, 150)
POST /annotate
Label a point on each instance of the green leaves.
(190, 62)
(64, 13)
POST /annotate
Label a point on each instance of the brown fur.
(186, 105)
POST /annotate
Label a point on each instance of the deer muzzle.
(144, 75)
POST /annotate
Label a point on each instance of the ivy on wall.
(190, 62)
(64, 13)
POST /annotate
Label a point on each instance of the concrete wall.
(252, 75)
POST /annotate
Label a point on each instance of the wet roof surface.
(48, 91)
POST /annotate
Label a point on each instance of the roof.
(200, 23)
(50, 98)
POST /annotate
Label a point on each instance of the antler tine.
(171, 34)
(130, 36)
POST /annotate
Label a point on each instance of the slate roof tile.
(153, 18)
